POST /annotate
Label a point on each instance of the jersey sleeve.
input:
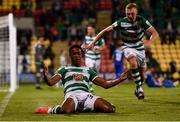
(146, 24)
(61, 71)
(92, 74)
(116, 24)
(101, 41)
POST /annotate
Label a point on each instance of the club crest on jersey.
(77, 77)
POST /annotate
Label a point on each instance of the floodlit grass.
(160, 104)
(2, 95)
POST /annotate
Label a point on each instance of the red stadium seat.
(103, 69)
(110, 68)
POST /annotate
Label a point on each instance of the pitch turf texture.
(160, 104)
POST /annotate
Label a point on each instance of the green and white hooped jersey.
(90, 54)
(76, 79)
(132, 33)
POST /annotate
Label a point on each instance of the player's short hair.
(131, 5)
(75, 46)
(91, 25)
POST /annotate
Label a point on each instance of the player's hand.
(90, 45)
(83, 46)
(124, 75)
(147, 43)
(96, 50)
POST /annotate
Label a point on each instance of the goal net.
(8, 79)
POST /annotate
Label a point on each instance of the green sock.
(55, 110)
(137, 77)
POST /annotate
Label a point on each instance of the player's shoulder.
(120, 21)
(87, 37)
(61, 68)
(85, 68)
(140, 18)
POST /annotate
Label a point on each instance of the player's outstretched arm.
(107, 29)
(154, 36)
(108, 84)
(52, 80)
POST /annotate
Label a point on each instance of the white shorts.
(83, 101)
(140, 56)
(94, 64)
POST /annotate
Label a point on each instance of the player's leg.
(38, 76)
(97, 104)
(131, 56)
(136, 74)
(97, 65)
(102, 105)
(142, 72)
(67, 107)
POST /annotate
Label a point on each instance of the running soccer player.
(93, 56)
(75, 80)
(132, 30)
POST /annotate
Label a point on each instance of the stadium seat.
(172, 46)
(155, 55)
(78, 3)
(157, 42)
(164, 67)
(103, 62)
(153, 50)
(109, 61)
(174, 55)
(165, 47)
(166, 51)
(162, 61)
(159, 51)
(110, 68)
(160, 56)
(178, 67)
(158, 46)
(103, 69)
(168, 60)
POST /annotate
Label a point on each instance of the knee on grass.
(110, 109)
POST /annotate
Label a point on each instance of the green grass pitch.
(160, 104)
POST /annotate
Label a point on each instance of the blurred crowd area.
(60, 21)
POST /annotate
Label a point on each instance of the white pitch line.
(4, 103)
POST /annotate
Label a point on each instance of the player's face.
(119, 43)
(90, 31)
(131, 14)
(76, 56)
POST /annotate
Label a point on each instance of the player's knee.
(133, 62)
(110, 109)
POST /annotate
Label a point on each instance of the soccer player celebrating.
(93, 56)
(75, 80)
(132, 29)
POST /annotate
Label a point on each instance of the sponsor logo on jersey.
(77, 77)
(125, 24)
